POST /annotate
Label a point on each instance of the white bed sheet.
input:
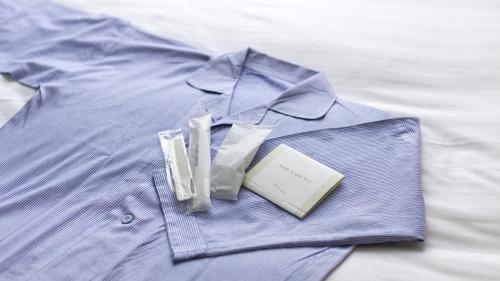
(438, 60)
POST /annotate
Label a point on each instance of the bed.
(437, 60)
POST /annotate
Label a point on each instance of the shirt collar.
(310, 97)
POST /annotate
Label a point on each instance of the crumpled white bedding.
(437, 60)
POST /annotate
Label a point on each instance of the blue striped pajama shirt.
(83, 192)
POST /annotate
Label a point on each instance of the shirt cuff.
(188, 241)
(180, 226)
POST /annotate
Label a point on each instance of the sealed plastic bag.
(233, 157)
(177, 166)
(199, 161)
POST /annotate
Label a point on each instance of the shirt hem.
(324, 263)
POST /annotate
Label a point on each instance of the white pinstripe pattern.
(83, 154)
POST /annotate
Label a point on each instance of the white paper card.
(292, 180)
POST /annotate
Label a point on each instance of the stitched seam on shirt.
(200, 251)
(341, 104)
(169, 215)
(287, 80)
(306, 242)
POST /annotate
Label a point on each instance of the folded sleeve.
(42, 41)
(379, 200)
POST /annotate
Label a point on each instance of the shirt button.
(128, 218)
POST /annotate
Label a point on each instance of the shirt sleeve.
(42, 41)
(379, 200)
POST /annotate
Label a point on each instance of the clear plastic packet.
(177, 167)
(199, 161)
(233, 157)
